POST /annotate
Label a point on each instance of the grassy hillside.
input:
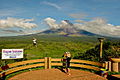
(49, 45)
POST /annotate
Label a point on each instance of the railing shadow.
(112, 78)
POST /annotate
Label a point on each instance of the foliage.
(113, 73)
(47, 46)
(108, 52)
(84, 47)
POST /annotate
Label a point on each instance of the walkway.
(56, 74)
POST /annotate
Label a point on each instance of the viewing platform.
(56, 74)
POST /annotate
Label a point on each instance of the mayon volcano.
(97, 26)
(66, 28)
(67, 32)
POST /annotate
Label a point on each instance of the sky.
(21, 17)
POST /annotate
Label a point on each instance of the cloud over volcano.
(96, 25)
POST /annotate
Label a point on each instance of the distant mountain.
(86, 33)
(51, 31)
(65, 32)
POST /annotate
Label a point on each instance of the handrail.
(81, 61)
(20, 68)
(47, 63)
(73, 61)
(115, 59)
(87, 62)
(17, 66)
(20, 63)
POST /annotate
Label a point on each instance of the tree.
(108, 51)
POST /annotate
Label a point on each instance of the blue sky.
(31, 16)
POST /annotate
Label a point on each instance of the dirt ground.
(56, 74)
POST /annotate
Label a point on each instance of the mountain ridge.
(63, 32)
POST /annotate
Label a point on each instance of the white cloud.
(52, 4)
(65, 25)
(14, 22)
(99, 26)
(51, 23)
(96, 25)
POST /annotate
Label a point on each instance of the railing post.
(106, 65)
(47, 62)
(109, 66)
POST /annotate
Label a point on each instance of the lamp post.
(101, 46)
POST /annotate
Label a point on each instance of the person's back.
(68, 58)
(64, 60)
(35, 42)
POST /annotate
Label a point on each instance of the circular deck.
(56, 74)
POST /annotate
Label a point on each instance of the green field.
(49, 45)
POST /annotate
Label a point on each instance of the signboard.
(12, 53)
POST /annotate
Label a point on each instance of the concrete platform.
(56, 74)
